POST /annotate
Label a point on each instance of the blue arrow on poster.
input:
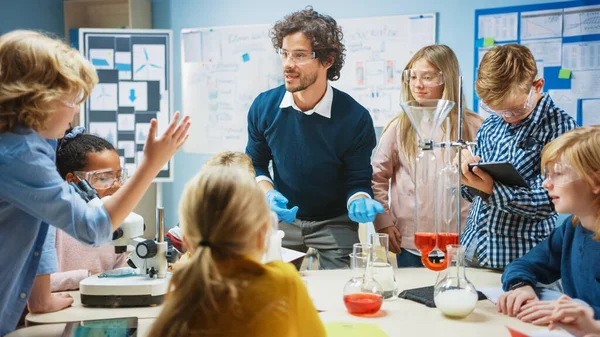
(132, 95)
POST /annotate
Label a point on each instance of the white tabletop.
(398, 317)
(77, 312)
(402, 317)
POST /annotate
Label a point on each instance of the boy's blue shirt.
(512, 220)
(570, 254)
(32, 196)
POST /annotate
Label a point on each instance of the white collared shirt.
(323, 108)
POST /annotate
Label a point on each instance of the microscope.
(145, 281)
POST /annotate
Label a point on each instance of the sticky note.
(347, 329)
(564, 73)
(246, 57)
(488, 41)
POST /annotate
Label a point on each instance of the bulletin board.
(134, 69)
(564, 38)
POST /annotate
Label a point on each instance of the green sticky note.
(488, 41)
(347, 329)
(564, 73)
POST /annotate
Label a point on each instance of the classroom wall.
(44, 15)
(455, 29)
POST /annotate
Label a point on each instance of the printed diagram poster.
(134, 88)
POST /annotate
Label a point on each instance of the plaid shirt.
(512, 220)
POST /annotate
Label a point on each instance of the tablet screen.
(117, 327)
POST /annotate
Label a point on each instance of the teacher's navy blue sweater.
(571, 254)
(318, 162)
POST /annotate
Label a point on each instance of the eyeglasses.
(527, 107)
(70, 104)
(298, 57)
(560, 174)
(427, 78)
(73, 103)
(103, 179)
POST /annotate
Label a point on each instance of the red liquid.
(362, 303)
(445, 239)
(425, 242)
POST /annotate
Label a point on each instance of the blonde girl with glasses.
(432, 73)
(571, 169)
(79, 156)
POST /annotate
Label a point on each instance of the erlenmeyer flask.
(453, 293)
(362, 294)
(383, 271)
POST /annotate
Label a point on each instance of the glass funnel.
(426, 117)
(454, 295)
(362, 294)
(383, 271)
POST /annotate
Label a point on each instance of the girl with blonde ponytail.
(432, 73)
(224, 290)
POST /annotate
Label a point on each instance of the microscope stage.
(130, 291)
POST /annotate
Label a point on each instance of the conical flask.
(454, 295)
(426, 117)
(362, 294)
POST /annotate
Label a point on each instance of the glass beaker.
(426, 117)
(362, 294)
(447, 194)
(454, 295)
(383, 271)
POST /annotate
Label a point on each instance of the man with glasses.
(505, 222)
(319, 140)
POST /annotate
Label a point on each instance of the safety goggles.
(515, 112)
(298, 57)
(426, 78)
(560, 174)
(103, 179)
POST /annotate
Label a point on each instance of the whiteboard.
(134, 71)
(377, 50)
(225, 68)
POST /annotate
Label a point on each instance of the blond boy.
(505, 222)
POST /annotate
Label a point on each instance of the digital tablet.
(116, 327)
(503, 172)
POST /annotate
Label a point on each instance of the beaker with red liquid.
(363, 295)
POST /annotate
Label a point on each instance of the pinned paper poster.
(347, 329)
(564, 74)
(488, 42)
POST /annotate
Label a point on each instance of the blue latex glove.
(278, 204)
(363, 210)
